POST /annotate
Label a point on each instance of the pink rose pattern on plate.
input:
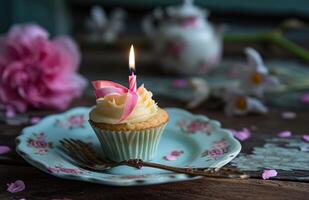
(74, 121)
(218, 149)
(195, 126)
(173, 155)
(60, 169)
(39, 144)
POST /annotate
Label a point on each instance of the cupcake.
(127, 122)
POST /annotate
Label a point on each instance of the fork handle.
(211, 172)
(219, 173)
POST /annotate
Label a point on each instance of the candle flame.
(132, 58)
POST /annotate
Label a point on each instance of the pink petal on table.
(305, 98)
(306, 138)
(269, 173)
(242, 135)
(179, 83)
(35, 120)
(284, 134)
(4, 149)
(288, 115)
(10, 114)
(15, 187)
(170, 157)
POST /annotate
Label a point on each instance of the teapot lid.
(186, 9)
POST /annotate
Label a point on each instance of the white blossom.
(256, 79)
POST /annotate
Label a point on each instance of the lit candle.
(132, 77)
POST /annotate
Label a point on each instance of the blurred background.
(70, 16)
(277, 30)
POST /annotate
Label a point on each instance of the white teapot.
(184, 41)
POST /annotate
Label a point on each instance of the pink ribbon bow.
(105, 88)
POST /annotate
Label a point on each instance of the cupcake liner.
(124, 145)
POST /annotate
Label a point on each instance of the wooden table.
(43, 186)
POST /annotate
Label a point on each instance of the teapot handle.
(148, 22)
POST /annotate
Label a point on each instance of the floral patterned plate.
(188, 141)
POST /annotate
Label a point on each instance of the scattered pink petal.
(269, 173)
(180, 83)
(35, 120)
(10, 114)
(305, 98)
(242, 135)
(288, 115)
(170, 157)
(15, 187)
(284, 134)
(306, 138)
(22, 199)
(4, 149)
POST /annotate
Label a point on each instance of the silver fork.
(87, 158)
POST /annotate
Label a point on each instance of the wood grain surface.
(42, 186)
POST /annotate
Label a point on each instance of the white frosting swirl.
(109, 109)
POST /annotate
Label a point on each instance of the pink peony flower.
(37, 72)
